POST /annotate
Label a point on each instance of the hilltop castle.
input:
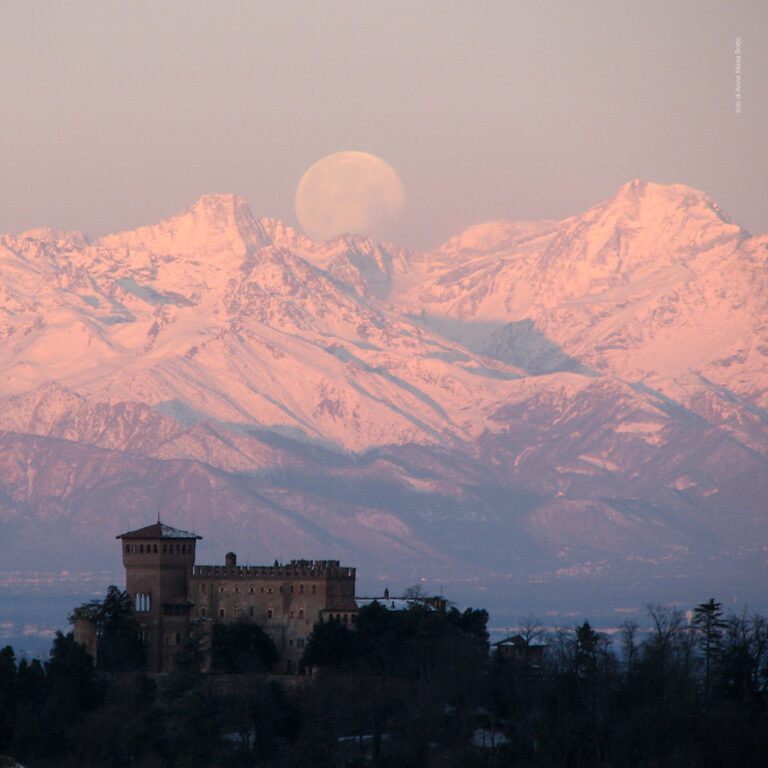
(169, 592)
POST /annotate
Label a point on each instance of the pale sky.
(120, 113)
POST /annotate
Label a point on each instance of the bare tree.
(530, 628)
(414, 592)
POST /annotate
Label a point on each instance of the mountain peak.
(226, 206)
(644, 198)
(216, 222)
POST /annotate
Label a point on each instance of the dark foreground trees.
(414, 688)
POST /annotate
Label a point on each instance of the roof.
(158, 531)
(518, 641)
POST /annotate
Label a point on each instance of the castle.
(169, 592)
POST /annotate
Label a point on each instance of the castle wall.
(285, 600)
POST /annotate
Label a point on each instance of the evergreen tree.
(709, 625)
(120, 647)
(8, 696)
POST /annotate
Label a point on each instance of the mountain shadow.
(520, 344)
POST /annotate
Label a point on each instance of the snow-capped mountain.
(535, 397)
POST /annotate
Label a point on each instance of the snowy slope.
(539, 396)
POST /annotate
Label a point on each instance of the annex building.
(169, 592)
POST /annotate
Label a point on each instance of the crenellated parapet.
(295, 569)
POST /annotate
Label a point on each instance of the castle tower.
(158, 564)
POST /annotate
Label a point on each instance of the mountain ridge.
(547, 394)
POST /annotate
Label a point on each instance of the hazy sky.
(116, 114)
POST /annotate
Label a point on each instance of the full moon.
(349, 192)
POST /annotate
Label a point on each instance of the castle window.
(202, 587)
(221, 613)
(127, 547)
(290, 643)
(301, 613)
(202, 611)
(165, 549)
(134, 549)
(154, 548)
(291, 589)
(143, 601)
(301, 589)
(178, 638)
(250, 610)
(314, 589)
(221, 589)
(251, 590)
(269, 613)
(141, 548)
(269, 589)
(281, 589)
(262, 590)
(237, 589)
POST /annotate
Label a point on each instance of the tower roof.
(158, 531)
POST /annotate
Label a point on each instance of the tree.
(242, 647)
(709, 624)
(330, 644)
(587, 647)
(71, 675)
(8, 696)
(414, 592)
(119, 634)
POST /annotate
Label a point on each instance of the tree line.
(405, 688)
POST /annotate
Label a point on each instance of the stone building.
(169, 592)
(522, 652)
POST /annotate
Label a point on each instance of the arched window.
(143, 601)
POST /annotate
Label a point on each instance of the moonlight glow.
(349, 192)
